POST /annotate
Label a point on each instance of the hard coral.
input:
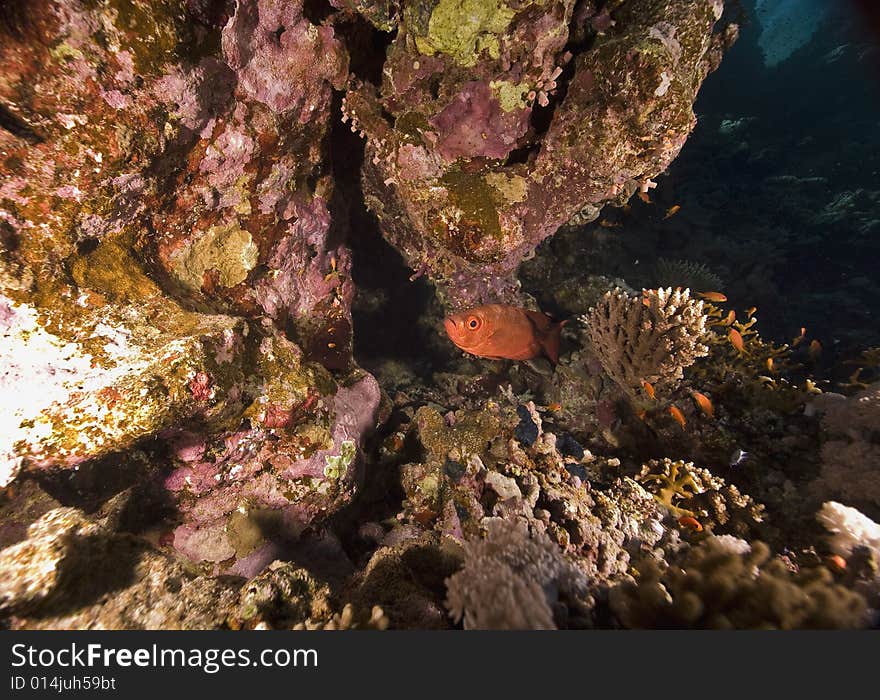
(716, 586)
(647, 338)
(850, 449)
(511, 579)
(75, 573)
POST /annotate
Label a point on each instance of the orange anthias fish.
(499, 331)
(677, 415)
(704, 404)
(736, 339)
(713, 296)
(672, 211)
(690, 523)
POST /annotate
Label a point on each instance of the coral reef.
(203, 428)
(512, 580)
(481, 143)
(686, 490)
(850, 451)
(74, 573)
(647, 338)
(717, 586)
(168, 268)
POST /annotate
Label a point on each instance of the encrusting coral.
(717, 586)
(513, 579)
(851, 448)
(651, 337)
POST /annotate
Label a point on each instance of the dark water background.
(779, 184)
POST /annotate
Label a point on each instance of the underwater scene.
(439, 314)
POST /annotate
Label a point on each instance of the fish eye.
(473, 323)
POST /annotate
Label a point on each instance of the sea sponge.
(510, 579)
(717, 587)
(650, 338)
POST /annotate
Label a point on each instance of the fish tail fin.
(550, 342)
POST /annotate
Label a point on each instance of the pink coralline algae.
(282, 59)
(164, 204)
(258, 490)
(520, 133)
(475, 125)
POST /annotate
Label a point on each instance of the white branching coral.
(510, 579)
(646, 338)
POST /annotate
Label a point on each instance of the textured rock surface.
(72, 573)
(497, 122)
(167, 267)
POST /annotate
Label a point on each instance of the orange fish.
(704, 404)
(736, 339)
(815, 350)
(672, 211)
(499, 331)
(649, 389)
(717, 297)
(676, 413)
(690, 523)
(770, 364)
(644, 197)
(731, 317)
(836, 562)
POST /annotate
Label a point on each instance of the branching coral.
(715, 586)
(674, 481)
(511, 580)
(647, 338)
(693, 491)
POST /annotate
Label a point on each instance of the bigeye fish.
(502, 332)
